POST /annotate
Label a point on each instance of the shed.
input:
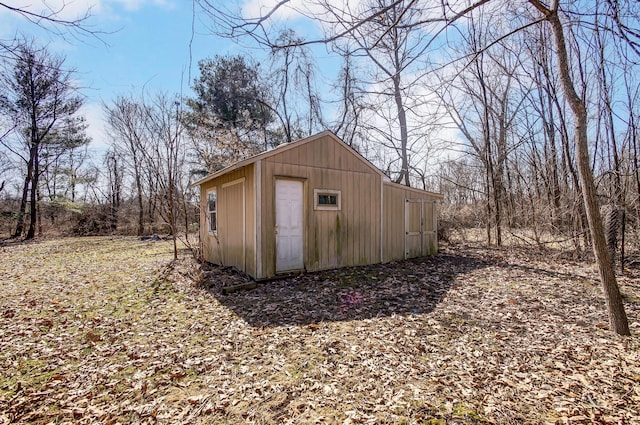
(311, 205)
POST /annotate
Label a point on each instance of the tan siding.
(250, 196)
(431, 226)
(324, 153)
(232, 231)
(393, 224)
(360, 220)
(332, 238)
(257, 220)
(212, 249)
(428, 214)
(350, 233)
(394, 221)
(349, 236)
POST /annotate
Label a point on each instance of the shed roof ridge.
(297, 143)
(282, 148)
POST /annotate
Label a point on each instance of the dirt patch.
(108, 330)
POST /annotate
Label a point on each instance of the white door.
(289, 226)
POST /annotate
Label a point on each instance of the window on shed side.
(326, 199)
(212, 210)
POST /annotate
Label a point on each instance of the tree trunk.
(33, 195)
(623, 229)
(404, 134)
(39, 220)
(115, 194)
(140, 203)
(617, 316)
(488, 152)
(612, 225)
(23, 201)
(487, 184)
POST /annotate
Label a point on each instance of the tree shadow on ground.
(10, 241)
(353, 293)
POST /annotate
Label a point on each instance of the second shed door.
(289, 228)
(413, 228)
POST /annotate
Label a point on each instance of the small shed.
(311, 205)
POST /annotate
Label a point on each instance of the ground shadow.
(353, 293)
(9, 241)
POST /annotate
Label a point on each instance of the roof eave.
(437, 195)
(287, 146)
(282, 148)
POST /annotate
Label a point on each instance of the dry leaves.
(107, 330)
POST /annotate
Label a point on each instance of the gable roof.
(287, 146)
(283, 148)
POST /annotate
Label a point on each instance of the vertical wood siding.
(230, 221)
(394, 230)
(360, 232)
(350, 236)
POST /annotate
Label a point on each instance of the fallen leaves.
(109, 330)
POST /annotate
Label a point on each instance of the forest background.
(524, 115)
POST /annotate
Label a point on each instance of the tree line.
(528, 84)
(158, 143)
(524, 114)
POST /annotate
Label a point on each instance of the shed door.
(429, 227)
(232, 224)
(413, 228)
(289, 228)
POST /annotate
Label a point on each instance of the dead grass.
(521, 238)
(105, 330)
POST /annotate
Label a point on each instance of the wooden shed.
(310, 205)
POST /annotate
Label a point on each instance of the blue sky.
(147, 47)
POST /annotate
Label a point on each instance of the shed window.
(325, 199)
(212, 210)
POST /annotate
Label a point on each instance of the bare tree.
(115, 174)
(394, 49)
(437, 18)
(351, 102)
(126, 118)
(483, 98)
(5, 166)
(293, 83)
(615, 307)
(632, 97)
(40, 99)
(164, 156)
(50, 18)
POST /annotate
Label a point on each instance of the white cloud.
(320, 13)
(76, 9)
(95, 119)
(60, 9)
(258, 8)
(132, 5)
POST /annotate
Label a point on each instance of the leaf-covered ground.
(105, 330)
